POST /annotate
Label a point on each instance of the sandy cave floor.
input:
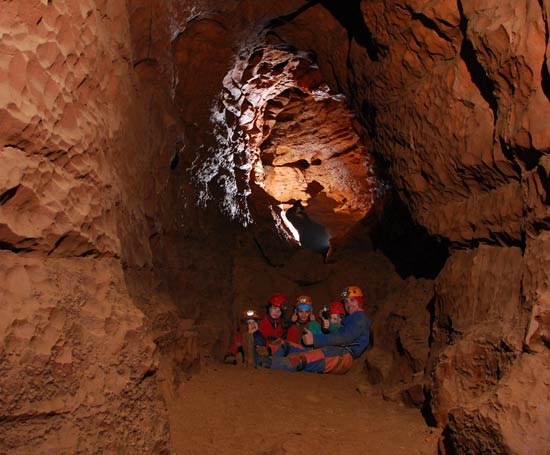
(233, 410)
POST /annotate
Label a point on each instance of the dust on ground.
(234, 410)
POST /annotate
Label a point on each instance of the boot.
(230, 359)
(264, 362)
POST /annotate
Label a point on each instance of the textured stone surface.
(279, 128)
(512, 419)
(415, 65)
(537, 293)
(80, 367)
(79, 371)
(403, 315)
(104, 106)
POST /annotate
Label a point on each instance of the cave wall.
(455, 96)
(91, 335)
(103, 107)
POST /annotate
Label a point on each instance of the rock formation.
(149, 151)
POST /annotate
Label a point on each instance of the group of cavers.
(323, 343)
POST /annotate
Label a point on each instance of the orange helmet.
(278, 300)
(250, 314)
(303, 302)
(351, 291)
(336, 308)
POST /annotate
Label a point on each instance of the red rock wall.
(79, 371)
(84, 327)
(456, 96)
(100, 234)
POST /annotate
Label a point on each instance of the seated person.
(332, 352)
(245, 341)
(271, 325)
(269, 328)
(331, 319)
(301, 319)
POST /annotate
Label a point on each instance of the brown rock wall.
(415, 66)
(481, 288)
(80, 360)
(480, 321)
(536, 290)
(403, 316)
(79, 369)
(99, 101)
(509, 41)
(59, 70)
(455, 98)
(512, 419)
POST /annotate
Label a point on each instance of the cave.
(167, 165)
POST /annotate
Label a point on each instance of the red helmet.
(278, 300)
(336, 308)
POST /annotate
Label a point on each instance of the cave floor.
(233, 410)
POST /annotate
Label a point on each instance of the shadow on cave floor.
(232, 410)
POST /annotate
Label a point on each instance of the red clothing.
(295, 332)
(271, 329)
(237, 343)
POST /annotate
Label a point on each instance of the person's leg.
(330, 359)
(305, 360)
(339, 363)
(282, 348)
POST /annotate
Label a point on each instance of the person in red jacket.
(271, 325)
(264, 331)
(303, 315)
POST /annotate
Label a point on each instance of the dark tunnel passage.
(312, 235)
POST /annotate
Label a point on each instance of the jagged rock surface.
(100, 101)
(79, 371)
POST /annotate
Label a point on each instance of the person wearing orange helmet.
(332, 352)
(301, 318)
(331, 317)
